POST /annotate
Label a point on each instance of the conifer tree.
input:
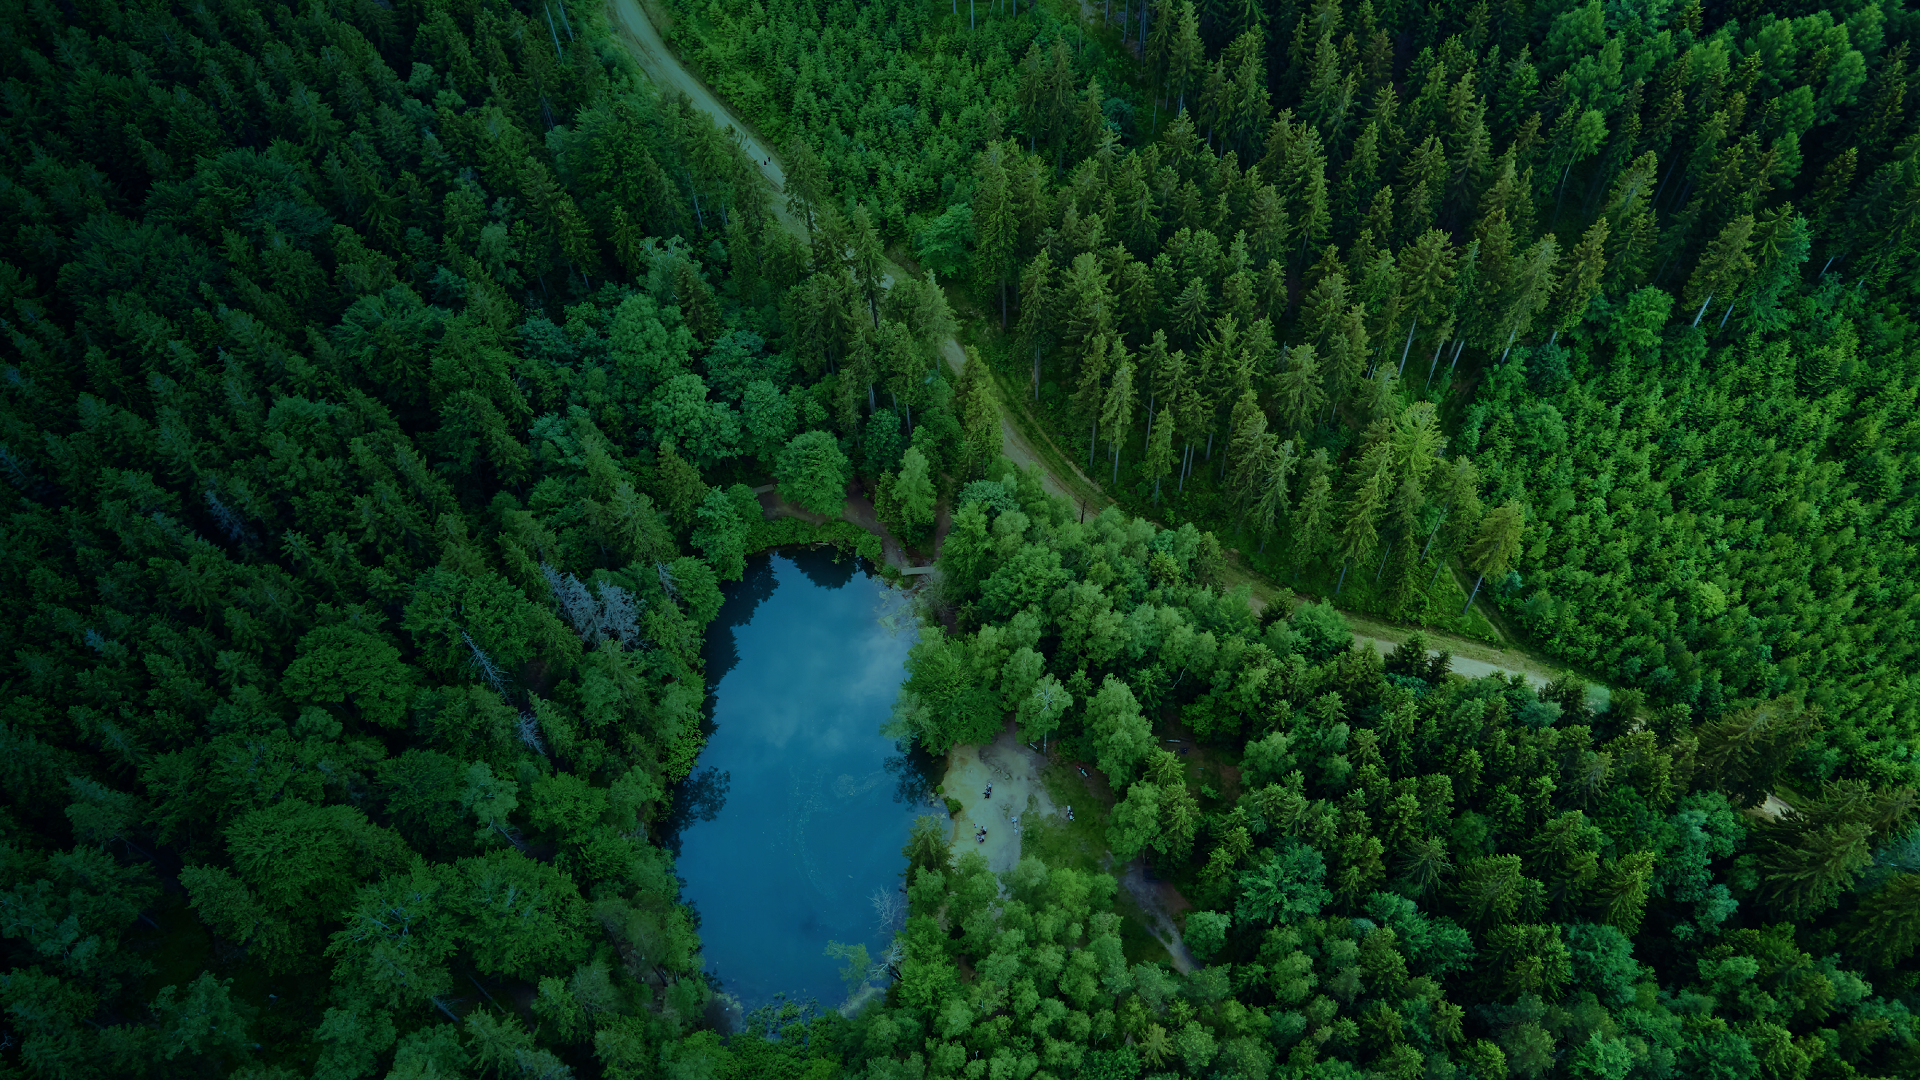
(1036, 328)
(1299, 392)
(993, 222)
(1311, 516)
(1248, 448)
(1359, 527)
(1090, 395)
(1530, 289)
(1724, 267)
(1185, 53)
(1581, 282)
(1276, 468)
(1494, 545)
(1116, 411)
(1631, 230)
(1159, 461)
(1426, 270)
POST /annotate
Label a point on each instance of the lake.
(794, 817)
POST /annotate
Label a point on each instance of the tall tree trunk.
(1435, 364)
(1343, 580)
(1435, 532)
(1409, 345)
(1383, 563)
(1474, 593)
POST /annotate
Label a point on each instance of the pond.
(789, 830)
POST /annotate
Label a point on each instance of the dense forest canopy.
(1488, 235)
(386, 384)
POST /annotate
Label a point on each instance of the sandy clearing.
(1014, 772)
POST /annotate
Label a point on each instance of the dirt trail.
(1159, 901)
(633, 27)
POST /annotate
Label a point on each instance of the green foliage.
(1286, 888)
(345, 665)
(722, 533)
(813, 473)
(363, 362)
(389, 593)
(1206, 932)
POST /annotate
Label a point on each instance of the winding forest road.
(1022, 440)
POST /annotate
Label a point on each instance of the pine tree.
(1091, 392)
(1267, 227)
(1086, 303)
(1036, 328)
(1329, 92)
(867, 259)
(1426, 273)
(1888, 923)
(806, 183)
(1631, 229)
(1724, 268)
(1160, 450)
(1531, 289)
(1278, 465)
(979, 415)
(1185, 53)
(1248, 447)
(1308, 526)
(995, 229)
(1298, 391)
(1304, 182)
(1582, 279)
(1494, 545)
(1116, 412)
(1423, 180)
(1360, 178)
(1359, 530)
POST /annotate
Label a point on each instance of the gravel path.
(634, 28)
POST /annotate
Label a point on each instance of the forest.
(390, 392)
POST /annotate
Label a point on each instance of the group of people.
(980, 833)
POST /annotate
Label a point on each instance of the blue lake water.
(798, 807)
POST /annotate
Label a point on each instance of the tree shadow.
(697, 798)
